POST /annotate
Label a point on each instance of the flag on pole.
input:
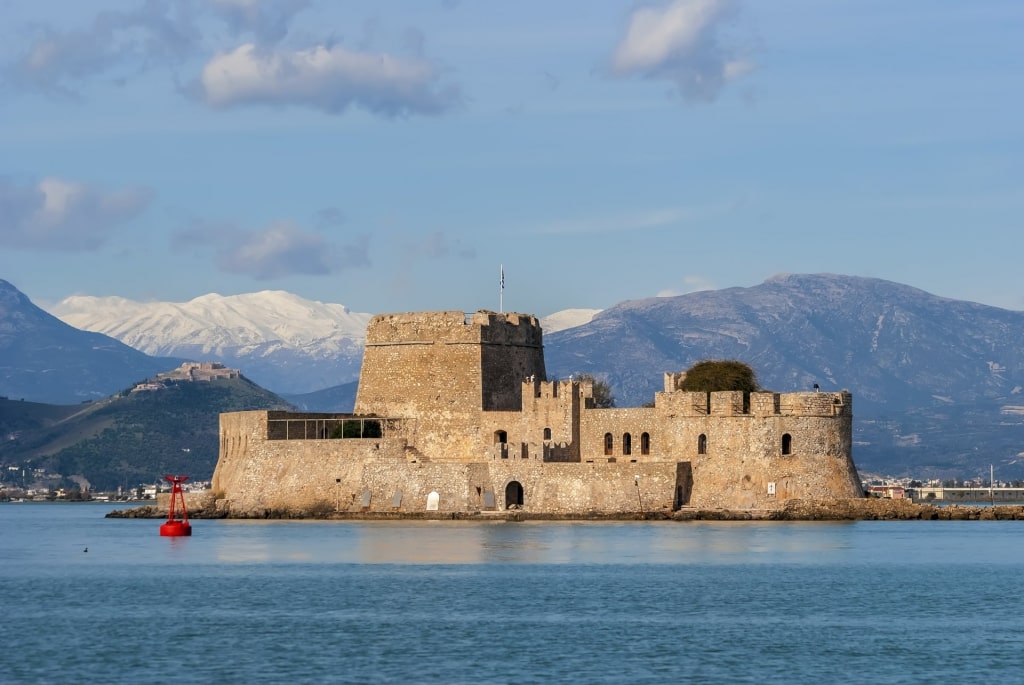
(501, 291)
(503, 277)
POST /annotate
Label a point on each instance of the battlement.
(737, 403)
(454, 327)
(535, 388)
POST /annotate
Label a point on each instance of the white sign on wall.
(771, 489)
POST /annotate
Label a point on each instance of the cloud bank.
(281, 249)
(266, 20)
(328, 78)
(56, 214)
(157, 33)
(680, 42)
(117, 45)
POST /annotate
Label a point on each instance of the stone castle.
(454, 413)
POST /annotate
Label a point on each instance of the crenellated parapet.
(738, 403)
(536, 389)
(453, 328)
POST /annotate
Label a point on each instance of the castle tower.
(443, 368)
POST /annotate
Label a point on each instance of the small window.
(787, 443)
(547, 433)
(627, 443)
(500, 437)
(645, 443)
(702, 444)
(609, 443)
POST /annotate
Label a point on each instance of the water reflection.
(54, 537)
(433, 543)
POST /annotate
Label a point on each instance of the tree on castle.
(711, 375)
(602, 392)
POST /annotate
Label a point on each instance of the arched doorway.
(514, 495)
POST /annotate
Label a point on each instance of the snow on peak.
(567, 318)
(215, 323)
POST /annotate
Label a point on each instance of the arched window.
(645, 443)
(787, 443)
(702, 444)
(609, 443)
(547, 433)
(500, 437)
(627, 443)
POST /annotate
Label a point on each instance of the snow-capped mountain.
(567, 318)
(279, 340)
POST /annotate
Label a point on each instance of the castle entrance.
(684, 485)
(514, 495)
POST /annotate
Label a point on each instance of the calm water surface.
(458, 602)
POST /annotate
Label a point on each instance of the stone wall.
(281, 476)
(255, 473)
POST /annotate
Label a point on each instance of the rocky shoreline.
(868, 509)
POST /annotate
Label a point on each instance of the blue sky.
(390, 155)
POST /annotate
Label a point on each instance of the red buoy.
(176, 527)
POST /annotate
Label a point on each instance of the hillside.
(132, 437)
(936, 382)
(43, 359)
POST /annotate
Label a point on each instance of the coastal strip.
(867, 509)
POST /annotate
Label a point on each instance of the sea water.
(497, 602)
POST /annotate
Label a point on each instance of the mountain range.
(937, 383)
(46, 360)
(281, 340)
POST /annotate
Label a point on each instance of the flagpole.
(501, 291)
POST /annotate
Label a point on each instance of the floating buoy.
(174, 526)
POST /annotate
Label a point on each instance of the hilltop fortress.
(454, 413)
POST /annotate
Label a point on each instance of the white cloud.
(680, 42)
(279, 250)
(330, 78)
(691, 284)
(56, 214)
